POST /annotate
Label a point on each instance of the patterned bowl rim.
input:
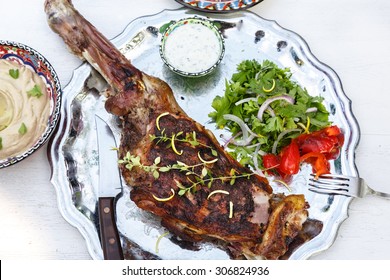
(210, 6)
(51, 80)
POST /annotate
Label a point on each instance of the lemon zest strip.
(205, 161)
(231, 209)
(158, 119)
(308, 125)
(272, 87)
(217, 191)
(166, 198)
(174, 147)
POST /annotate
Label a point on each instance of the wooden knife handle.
(109, 235)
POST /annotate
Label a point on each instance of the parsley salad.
(264, 110)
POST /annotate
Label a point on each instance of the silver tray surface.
(73, 149)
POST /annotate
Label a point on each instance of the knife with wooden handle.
(110, 186)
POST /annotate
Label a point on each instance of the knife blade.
(110, 186)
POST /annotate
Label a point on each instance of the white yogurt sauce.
(192, 48)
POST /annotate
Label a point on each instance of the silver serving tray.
(73, 149)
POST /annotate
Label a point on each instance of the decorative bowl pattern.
(25, 55)
(219, 6)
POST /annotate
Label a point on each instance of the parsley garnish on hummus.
(22, 129)
(14, 73)
(35, 91)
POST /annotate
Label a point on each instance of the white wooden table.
(351, 36)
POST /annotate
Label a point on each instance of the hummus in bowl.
(30, 95)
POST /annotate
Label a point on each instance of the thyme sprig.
(132, 161)
(197, 174)
(190, 138)
(207, 179)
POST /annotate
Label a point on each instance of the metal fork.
(343, 185)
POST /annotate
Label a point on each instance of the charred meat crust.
(211, 215)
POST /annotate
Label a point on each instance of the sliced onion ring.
(246, 138)
(243, 142)
(240, 142)
(271, 112)
(245, 100)
(255, 160)
(266, 103)
(229, 140)
(311, 110)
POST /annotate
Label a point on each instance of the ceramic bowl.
(27, 56)
(192, 47)
(219, 6)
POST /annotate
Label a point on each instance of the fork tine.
(330, 184)
(330, 180)
(327, 185)
(330, 191)
(332, 176)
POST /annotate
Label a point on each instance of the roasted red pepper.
(315, 148)
(271, 162)
(318, 162)
(327, 141)
(290, 159)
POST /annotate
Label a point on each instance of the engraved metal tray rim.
(124, 40)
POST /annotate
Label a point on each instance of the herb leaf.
(165, 26)
(14, 73)
(22, 129)
(1, 143)
(35, 91)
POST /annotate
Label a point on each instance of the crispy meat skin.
(262, 225)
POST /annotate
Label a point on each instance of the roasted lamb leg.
(175, 167)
